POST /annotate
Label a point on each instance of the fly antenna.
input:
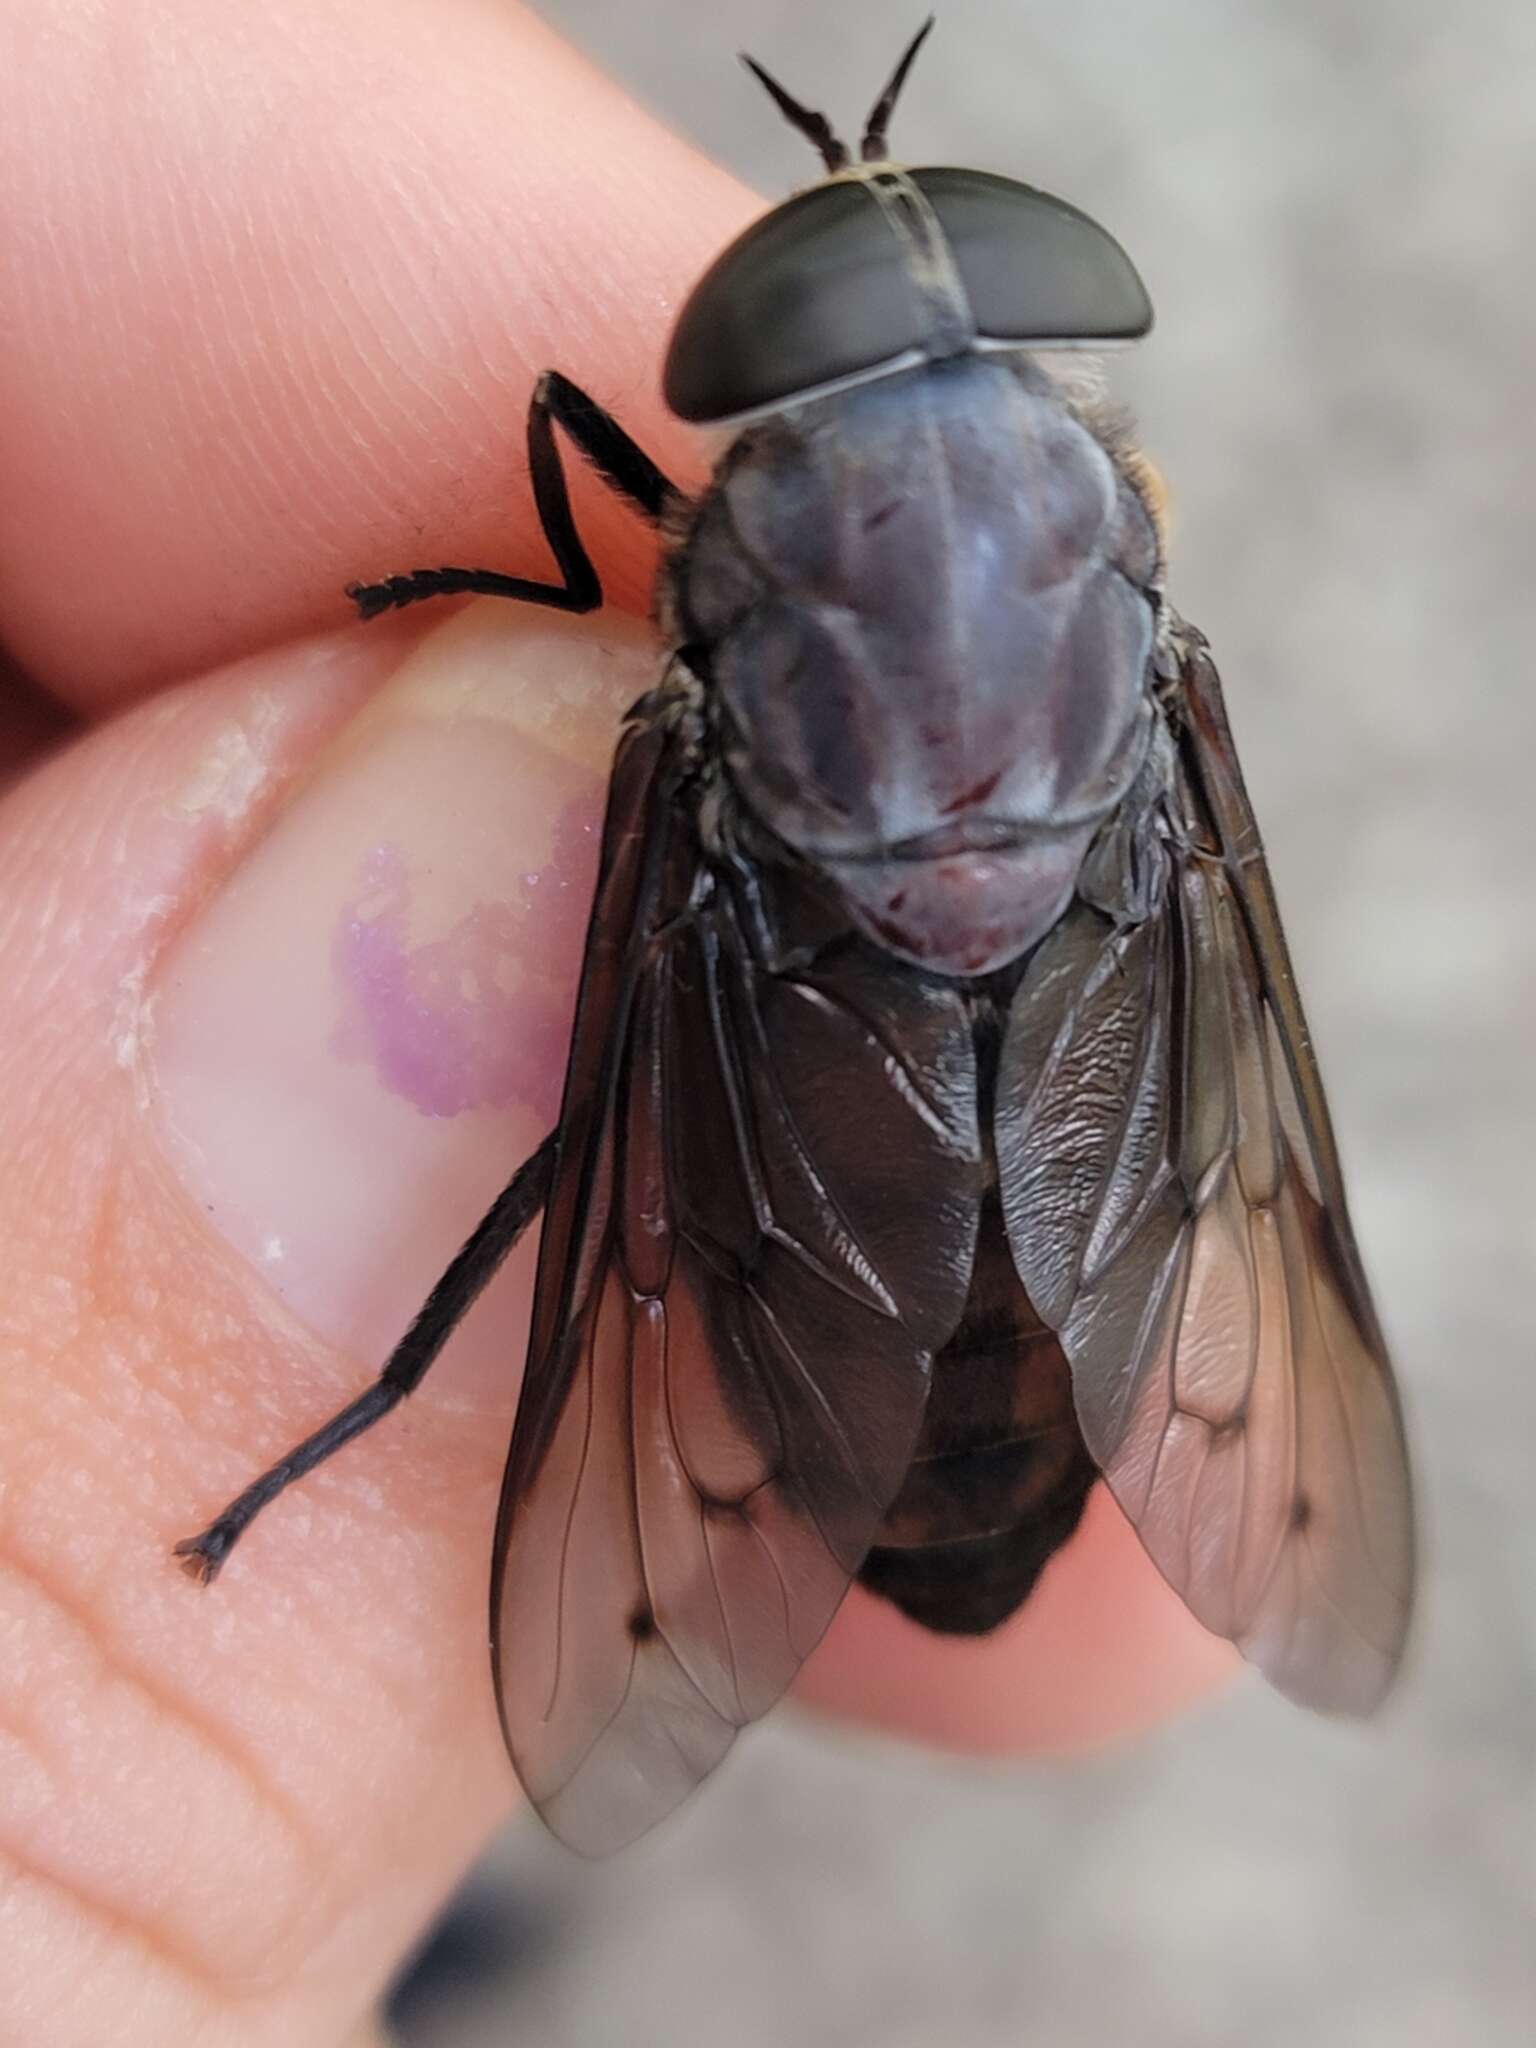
(815, 127)
(873, 148)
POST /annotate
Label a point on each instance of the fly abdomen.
(1000, 1475)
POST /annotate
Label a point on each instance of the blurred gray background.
(1333, 205)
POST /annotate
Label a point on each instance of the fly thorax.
(923, 606)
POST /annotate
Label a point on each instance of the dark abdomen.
(1000, 1475)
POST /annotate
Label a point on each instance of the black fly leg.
(509, 1216)
(631, 472)
(615, 457)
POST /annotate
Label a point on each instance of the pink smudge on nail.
(480, 1017)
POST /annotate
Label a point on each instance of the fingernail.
(364, 1031)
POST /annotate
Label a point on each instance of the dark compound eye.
(823, 290)
(1035, 269)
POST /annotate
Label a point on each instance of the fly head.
(921, 585)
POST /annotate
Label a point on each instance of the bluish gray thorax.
(922, 607)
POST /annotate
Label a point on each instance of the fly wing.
(760, 1231)
(1176, 1211)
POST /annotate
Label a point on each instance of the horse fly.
(941, 1131)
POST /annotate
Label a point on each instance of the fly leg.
(504, 1223)
(615, 457)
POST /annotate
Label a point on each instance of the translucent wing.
(761, 1229)
(1176, 1211)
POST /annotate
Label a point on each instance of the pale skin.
(275, 304)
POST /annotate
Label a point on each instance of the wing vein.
(569, 1524)
(1146, 1041)
(1347, 1420)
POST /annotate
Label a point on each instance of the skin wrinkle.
(119, 1927)
(368, 383)
(275, 469)
(374, 374)
(300, 1895)
(112, 1668)
(455, 347)
(379, 1672)
(280, 472)
(404, 380)
(114, 1659)
(198, 329)
(21, 1754)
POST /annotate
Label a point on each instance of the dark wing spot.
(642, 1625)
(1301, 1512)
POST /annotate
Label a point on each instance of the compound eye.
(815, 291)
(820, 291)
(1036, 270)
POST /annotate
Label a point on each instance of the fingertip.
(363, 1030)
(295, 1709)
(299, 345)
